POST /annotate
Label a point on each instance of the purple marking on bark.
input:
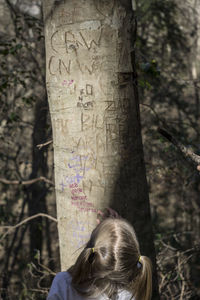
(63, 185)
(78, 177)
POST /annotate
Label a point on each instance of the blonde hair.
(111, 261)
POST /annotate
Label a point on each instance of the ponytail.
(83, 266)
(83, 272)
(143, 282)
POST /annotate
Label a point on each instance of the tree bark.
(92, 92)
(36, 193)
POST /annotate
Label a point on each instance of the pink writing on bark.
(67, 82)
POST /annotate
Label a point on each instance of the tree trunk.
(92, 93)
(36, 193)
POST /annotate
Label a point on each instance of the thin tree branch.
(154, 112)
(43, 291)
(43, 266)
(182, 148)
(40, 146)
(26, 182)
(11, 228)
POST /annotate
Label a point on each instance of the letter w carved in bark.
(93, 41)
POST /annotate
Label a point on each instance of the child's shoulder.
(60, 287)
(125, 295)
(63, 276)
(62, 282)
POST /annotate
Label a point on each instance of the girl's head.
(111, 261)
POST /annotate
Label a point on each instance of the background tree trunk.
(92, 93)
(37, 192)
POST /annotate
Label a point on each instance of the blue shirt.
(61, 289)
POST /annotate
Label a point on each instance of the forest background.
(168, 66)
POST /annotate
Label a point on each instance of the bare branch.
(40, 146)
(11, 228)
(43, 291)
(154, 112)
(184, 150)
(26, 182)
(43, 266)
